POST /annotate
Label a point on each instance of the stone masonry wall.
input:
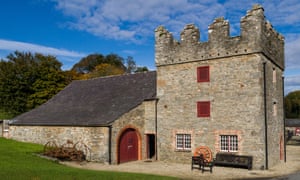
(236, 106)
(235, 89)
(257, 36)
(96, 138)
(1, 128)
(275, 115)
(135, 119)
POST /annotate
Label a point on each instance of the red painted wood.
(203, 74)
(203, 109)
(128, 146)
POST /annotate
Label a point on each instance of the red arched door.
(128, 146)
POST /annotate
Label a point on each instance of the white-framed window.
(183, 141)
(229, 143)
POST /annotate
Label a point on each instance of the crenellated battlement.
(257, 36)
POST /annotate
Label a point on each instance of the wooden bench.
(199, 163)
(202, 159)
(233, 160)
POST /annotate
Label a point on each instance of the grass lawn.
(18, 161)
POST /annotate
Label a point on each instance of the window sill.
(183, 150)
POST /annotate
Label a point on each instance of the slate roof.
(95, 102)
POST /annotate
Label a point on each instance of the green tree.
(28, 80)
(89, 63)
(141, 69)
(50, 79)
(292, 105)
(93, 66)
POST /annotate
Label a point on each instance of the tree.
(131, 66)
(94, 66)
(28, 80)
(89, 63)
(141, 69)
(50, 79)
(105, 69)
(292, 105)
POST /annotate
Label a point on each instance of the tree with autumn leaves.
(97, 65)
(28, 80)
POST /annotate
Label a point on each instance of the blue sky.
(72, 29)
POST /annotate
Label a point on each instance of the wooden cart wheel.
(83, 150)
(49, 148)
(207, 154)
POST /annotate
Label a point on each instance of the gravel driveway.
(183, 171)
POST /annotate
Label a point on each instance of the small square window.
(203, 109)
(183, 141)
(203, 74)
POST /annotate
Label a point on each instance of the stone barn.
(226, 94)
(114, 116)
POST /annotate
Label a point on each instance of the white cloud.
(283, 12)
(136, 20)
(292, 51)
(133, 20)
(68, 58)
(129, 52)
(293, 80)
(77, 8)
(21, 46)
(292, 83)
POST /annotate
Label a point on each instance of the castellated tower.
(226, 93)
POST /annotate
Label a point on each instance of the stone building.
(226, 93)
(4, 128)
(113, 116)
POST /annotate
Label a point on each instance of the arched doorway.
(128, 146)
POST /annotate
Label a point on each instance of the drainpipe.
(109, 143)
(266, 119)
(284, 136)
(156, 102)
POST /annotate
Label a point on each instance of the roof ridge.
(116, 76)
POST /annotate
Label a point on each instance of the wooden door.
(128, 146)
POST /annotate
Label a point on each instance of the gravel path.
(183, 171)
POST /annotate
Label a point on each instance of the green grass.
(19, 161)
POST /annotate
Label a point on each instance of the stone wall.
(135, 119)
(96, 138)
(236, 106)
(4, 128)
(235, 89)
(257, 36)
(275, 114)
(1, 128)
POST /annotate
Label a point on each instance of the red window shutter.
(203, 109)
(203, 74)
